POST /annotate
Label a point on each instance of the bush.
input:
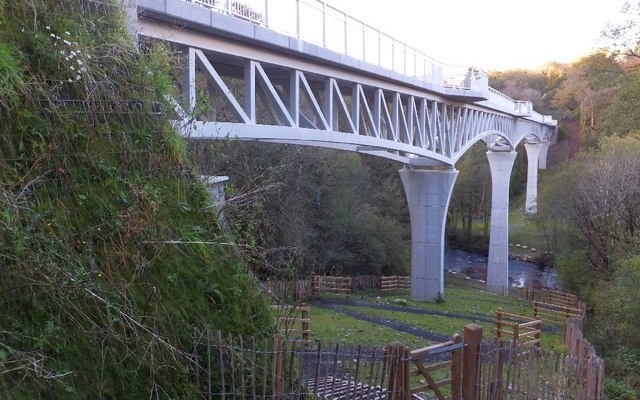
(616, 390)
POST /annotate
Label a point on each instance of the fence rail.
(293, 321)
(518, 328)
(555, 313)
(393, 283)
(331, 284)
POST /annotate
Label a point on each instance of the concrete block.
(271, 37)
(232, 25)
(193, 13)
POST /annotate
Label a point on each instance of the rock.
(400, 302)
(525, 247)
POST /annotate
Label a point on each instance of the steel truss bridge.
(246, 78)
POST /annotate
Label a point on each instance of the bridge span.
(330, 80)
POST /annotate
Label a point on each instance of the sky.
(491, 34)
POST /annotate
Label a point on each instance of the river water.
(521, 273)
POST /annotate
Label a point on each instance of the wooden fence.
(393, 283)
(465, 367)
(591, 366)
(293, 321)
(518, 329)
(331, 284)
(526, 372)
(365, 282)
(555, 313)
(290, 291)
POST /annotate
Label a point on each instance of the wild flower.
(71, 54)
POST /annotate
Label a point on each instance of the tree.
(622, 115)
(588, 88)
(598, 195)
(311, 210)
(623, 37)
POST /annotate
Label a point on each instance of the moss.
(98, 299)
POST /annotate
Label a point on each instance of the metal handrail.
(312, 20)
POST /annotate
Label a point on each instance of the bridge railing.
(320, 23)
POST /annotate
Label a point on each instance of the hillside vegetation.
(107, 242)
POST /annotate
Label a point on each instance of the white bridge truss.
(279, 103)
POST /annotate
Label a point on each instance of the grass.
(331, 326)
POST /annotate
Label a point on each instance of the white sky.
(491, 34)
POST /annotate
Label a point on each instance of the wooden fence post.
(471, 357)
(456, 368)
(277, 367)
(392, 361)
(405, 361)
(499, 323)
(304, 314)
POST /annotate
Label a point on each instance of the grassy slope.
(93, 183)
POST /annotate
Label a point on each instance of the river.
(521, 273)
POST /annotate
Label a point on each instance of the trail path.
(340, 306)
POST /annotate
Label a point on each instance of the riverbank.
(521, 273)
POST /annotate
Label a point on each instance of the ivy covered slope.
(97, 300)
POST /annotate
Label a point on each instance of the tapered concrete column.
(501, 164)
(428, 193)
(533, 153)
(542, 159)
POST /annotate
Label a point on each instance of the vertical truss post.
(250, 91)
(189, 80)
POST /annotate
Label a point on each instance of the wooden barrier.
(293, 321)
(518, 329)
(289, 291)
(473, 369)
(392, 283)
(555, 313)
(425, 363)
(331, 284)
(590, 366)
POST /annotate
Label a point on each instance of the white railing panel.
(355, 38)
(336, 30)
(311, 22)
(372, 46)
(283, 16)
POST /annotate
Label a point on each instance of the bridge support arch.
(428, 193)
(533, 156)
(501, 164)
